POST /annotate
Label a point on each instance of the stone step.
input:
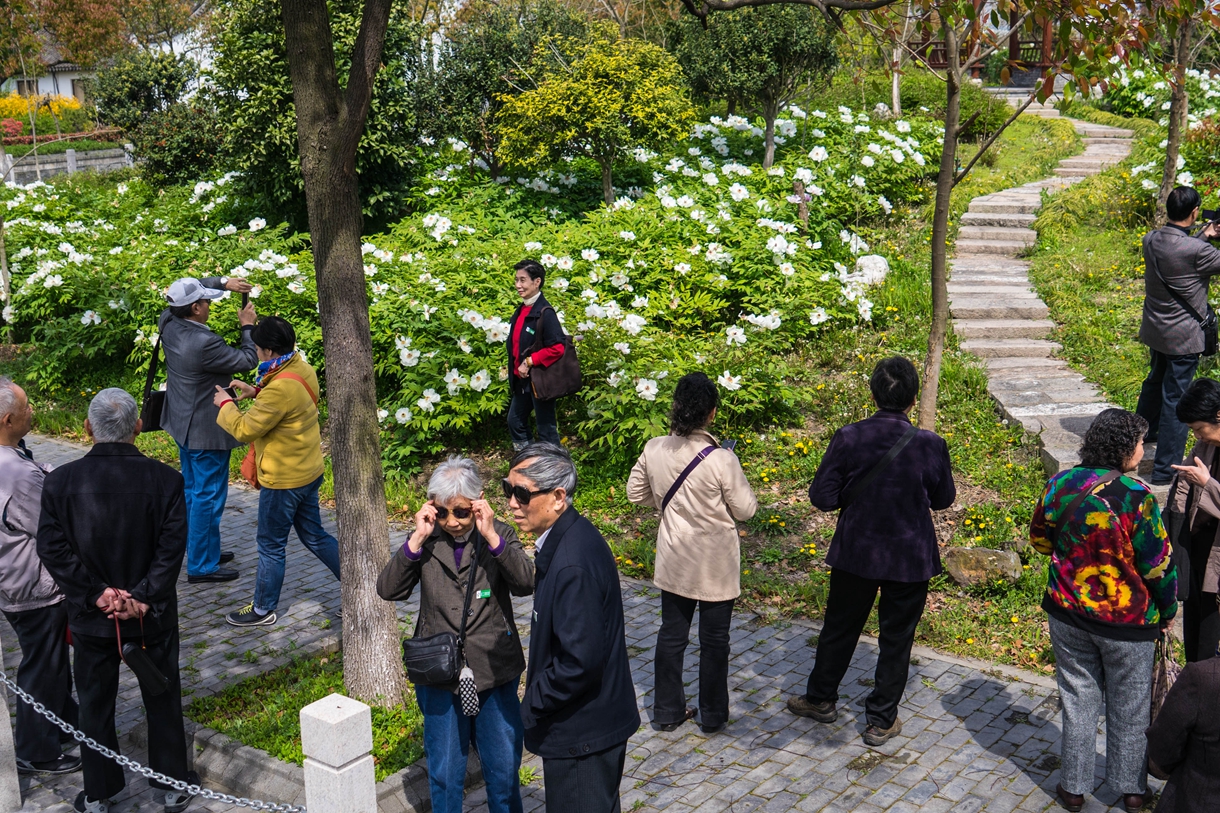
(971, 308)
(1042, 112)
(1018, 400)
(1077, 172)
(1002, 328)
(1102, 131)
(1012, 220)
(1087, 162)
(1095, 141)
(1041, 365)
(989, 290)
(1005, 206)
(1010, 248)
(1011, 348)
(1016, 235)
(1027, 378)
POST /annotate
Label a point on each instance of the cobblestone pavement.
(975, 738)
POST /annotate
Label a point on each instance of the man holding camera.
(1176, 320)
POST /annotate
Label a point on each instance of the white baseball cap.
(187, 291)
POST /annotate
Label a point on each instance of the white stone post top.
(336, 730)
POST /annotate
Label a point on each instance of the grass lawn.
(784, 573)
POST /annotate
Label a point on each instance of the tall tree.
(760, 58)
(88, 31)
(1086, 36)
(330, 122)
(598, 98)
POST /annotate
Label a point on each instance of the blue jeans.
(1168, 378)
(280, 510)
(497, 733)
(206, 472)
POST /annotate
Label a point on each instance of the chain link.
(147, 773)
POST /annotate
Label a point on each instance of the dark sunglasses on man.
(520, 493)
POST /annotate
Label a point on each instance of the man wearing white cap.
(196, 361)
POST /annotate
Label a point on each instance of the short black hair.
(894, 383)
(182, 311)
(1181, 202)
(1111, 439)
(532, 267)
(1200, 402)
(274, 334)
(694, 399)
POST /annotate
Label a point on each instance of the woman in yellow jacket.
(282, 423)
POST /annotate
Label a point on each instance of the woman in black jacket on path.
(535, 339)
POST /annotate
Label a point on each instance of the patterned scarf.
(265, 368)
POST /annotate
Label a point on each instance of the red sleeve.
(547, 356)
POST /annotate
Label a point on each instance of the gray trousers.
(1088, 667)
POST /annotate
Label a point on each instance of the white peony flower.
(429, 401)
(455, 381)
(710, 178)
(787, 269)
(682, 268)
(615, 379)
(53, 281)
(623, 348)
(402, 342)
(817, 316)
(480, 381)
(533, 245)
(590, 254)
(464, 345)
(735, 335)
(729, 382)
(627, 235)
(408, 357)
(646, 388)
(403, 415)
(91, 318)
(298, 288)
(633, 323)
(227, 230)
(258, 224)
(382, 414)
(739, 192)
(818, 154)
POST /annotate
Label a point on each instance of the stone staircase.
(1000, 318)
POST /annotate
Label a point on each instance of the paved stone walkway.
(975, 738)
(1000, 318)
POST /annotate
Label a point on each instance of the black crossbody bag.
(1211, 334)
(438, 659)
(154, 400)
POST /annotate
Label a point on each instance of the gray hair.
(8, 396)
(456, 477)
(113, 416)
(552, 467)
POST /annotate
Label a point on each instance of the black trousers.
(669, 693)
(46, 673)
(851, 599)
(1168, 377)
(97, 682)
(519, 409)
(586, 784)
(1200, 615)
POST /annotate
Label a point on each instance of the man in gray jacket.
(29, 597)
(1177, 267)
(197, 360)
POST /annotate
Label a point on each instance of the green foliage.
(140, 83)
(1142, 90)
(264, 712)
(922, 94)
(599, 98)
(489, 56)
(178, 144)
(253, 93)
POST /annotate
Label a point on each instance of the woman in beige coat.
(701, 491)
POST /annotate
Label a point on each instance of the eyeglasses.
(461, 513)
(522, 494)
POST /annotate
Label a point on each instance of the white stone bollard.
(10, 789)
(337, 738)
(71, 156)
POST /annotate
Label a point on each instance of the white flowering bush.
(705, 265)
(1141, 89)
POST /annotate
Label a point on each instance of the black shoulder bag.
(1211, 335)
(438, 659)
(561, 378)
(881, 466)
(154, 400)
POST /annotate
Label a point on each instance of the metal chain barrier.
(147, 773)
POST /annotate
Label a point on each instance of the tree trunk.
(1179, 104)
(940, 231)
(607, 180)
(6, 284)
(732, 105)
(330, 121)
(896, 83)
(770, 114)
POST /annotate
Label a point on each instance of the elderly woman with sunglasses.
(457, 535)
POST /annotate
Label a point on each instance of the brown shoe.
(1070, 801)
(1134, 802)
(689, 714)
(822, 712)
(880, 736)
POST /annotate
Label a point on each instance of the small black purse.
(152, 682)
(438, 659)
(154, 400)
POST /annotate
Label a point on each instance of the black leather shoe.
(54, 767)
(226, 556)
(709, 730)
(221, 574)
(690, 715)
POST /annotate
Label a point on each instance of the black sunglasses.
(522, 494)
(461, 513)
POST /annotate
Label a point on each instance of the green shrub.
(139, 84)
(178, 144)
(1142, 90)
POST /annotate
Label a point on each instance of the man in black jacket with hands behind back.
(579, 708)
(112, 535)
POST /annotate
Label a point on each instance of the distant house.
(55, 75)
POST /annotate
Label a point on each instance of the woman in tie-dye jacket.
(1111, 589)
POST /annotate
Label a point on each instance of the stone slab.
(991, 308)
(1012, 220)
(1016, 235)
(1023, 348)
(1002, 328)
(1002, 247)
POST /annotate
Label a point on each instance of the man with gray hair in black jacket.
(112, 535)
(579, 707)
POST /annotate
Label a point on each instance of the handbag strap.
(152, 369)
(691, 466)
(118, 637)
(474, 566)
(296, 377)
(1067, 515)
(881, 466)
(1156, 270)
